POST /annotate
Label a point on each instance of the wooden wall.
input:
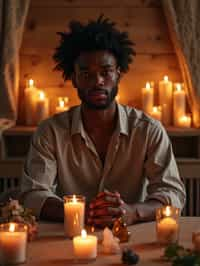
(144, 20)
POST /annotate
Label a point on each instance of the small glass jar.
(13, 243)
(167, 224)
(74, 214)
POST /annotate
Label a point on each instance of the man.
(100, 149)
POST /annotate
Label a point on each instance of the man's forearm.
(52, 210)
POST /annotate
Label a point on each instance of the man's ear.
(119, 73)
(73, 80)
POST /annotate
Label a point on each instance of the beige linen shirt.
(63, 160)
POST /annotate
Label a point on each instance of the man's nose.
(98, 79)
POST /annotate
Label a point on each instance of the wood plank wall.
(144, 20)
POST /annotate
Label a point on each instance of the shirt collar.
(78, 128)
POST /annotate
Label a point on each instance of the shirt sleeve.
(164, 182)
(40, 171)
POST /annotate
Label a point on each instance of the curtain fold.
(12, 19)
(184, 27)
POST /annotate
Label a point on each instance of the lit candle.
(185, 121)
(147, 98)
(13, 241)
(42, 107)
(85, 246)
(178, 103)
(156, 113)
(30, 95)
(74, 210)
(62, 104)
(165, 100)
(167, 224)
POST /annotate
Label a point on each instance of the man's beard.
(102, 106)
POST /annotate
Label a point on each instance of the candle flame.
(74, 199)
(168, 211)
(148, 85)
(61, 103)
(41, 95)
(178, 87)
(155, 108)
(11, 227)
(83, 234)
(166, 78)
(31, 82)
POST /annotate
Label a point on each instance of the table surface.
(53, 248)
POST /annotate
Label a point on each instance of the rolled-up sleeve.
(40, 170)
(164, 182)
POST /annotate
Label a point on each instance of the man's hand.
(105, 208)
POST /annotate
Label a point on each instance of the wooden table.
(52, 248)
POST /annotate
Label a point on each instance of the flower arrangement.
(12, 211)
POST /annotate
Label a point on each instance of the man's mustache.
(97, 90)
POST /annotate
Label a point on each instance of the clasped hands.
(106, 207)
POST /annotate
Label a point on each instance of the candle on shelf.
(74, 212)
(147, 98)
(165, 100)
(185, 121)
(30, 95)
(62, 104)
(85, 246)
(42, 107)
(156, 112)
(167, 224)
(13, 242)
(178, 103)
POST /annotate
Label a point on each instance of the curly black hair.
(96, 35)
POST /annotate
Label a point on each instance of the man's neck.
(99, 119)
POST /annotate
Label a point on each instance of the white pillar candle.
(178, 103)
(156, 113)
(185, 121)
(167, 224)
(165, 100)
(13, 241)
(147, 98)
(42, 107)
(74, 214)
(85, 246)
(30, 96)
(62, 105)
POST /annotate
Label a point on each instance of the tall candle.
(156, 113)
(42, 107)
(85, 246)
(165, 100)
(178, 103)
(147, 98)
(167, 224)
(30, 95)
(13, 241)
(74, 212)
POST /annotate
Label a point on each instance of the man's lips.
(98, 94)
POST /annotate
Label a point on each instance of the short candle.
(167, 224)
(85, 246)
(13, 241)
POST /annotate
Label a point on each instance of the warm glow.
(66, 99)
(178, 87)
(117, 98)
(166, 78)
(155, 109)
(148, 86)
(168, 211)
(11, 227)
(41, 95)
(61, 103)
(31, 82)
(74, 200)
(83, 234)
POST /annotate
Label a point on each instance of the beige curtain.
(12, 19)
(184, 27)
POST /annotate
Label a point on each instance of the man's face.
(96, 79)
